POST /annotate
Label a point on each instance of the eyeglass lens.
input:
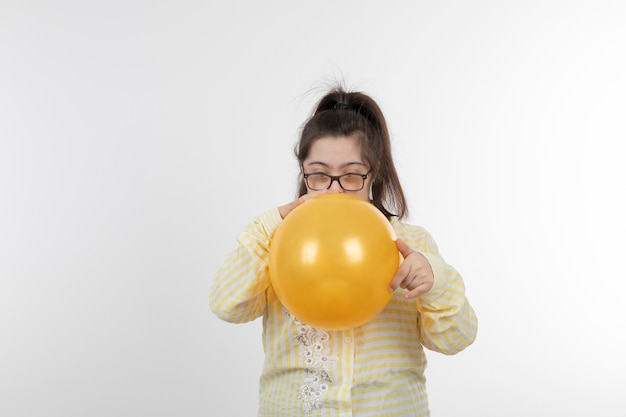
(349, 182)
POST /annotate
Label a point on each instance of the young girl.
(376, 369)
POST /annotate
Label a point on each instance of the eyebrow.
(324, 164)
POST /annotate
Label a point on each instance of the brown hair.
(353, 114)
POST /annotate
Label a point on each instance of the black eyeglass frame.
(334, 178)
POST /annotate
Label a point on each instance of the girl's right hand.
(288, 208)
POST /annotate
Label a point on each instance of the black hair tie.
(341, 106)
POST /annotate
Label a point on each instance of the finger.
(402, 274)
(289, 207)
(415, 278)
(403, 248)
(408, 268)
(297, 202)
(420, 290)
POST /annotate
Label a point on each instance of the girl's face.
(337, 156)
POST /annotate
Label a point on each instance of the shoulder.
(405, 230)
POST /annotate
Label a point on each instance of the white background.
(137, 138)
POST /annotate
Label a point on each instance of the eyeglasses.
(317, 181)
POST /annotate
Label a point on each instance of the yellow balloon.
(332, 260)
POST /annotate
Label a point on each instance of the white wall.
(134, 134)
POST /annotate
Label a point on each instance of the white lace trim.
(314, 348)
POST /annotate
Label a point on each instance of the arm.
(238, 292)
(448, 323)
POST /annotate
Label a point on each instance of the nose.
(335, 187)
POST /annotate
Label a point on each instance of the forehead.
(335, 151)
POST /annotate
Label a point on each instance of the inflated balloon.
(332, 260)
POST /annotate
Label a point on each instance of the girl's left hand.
(414, 274)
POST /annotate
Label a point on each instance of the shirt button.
(347, 340)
